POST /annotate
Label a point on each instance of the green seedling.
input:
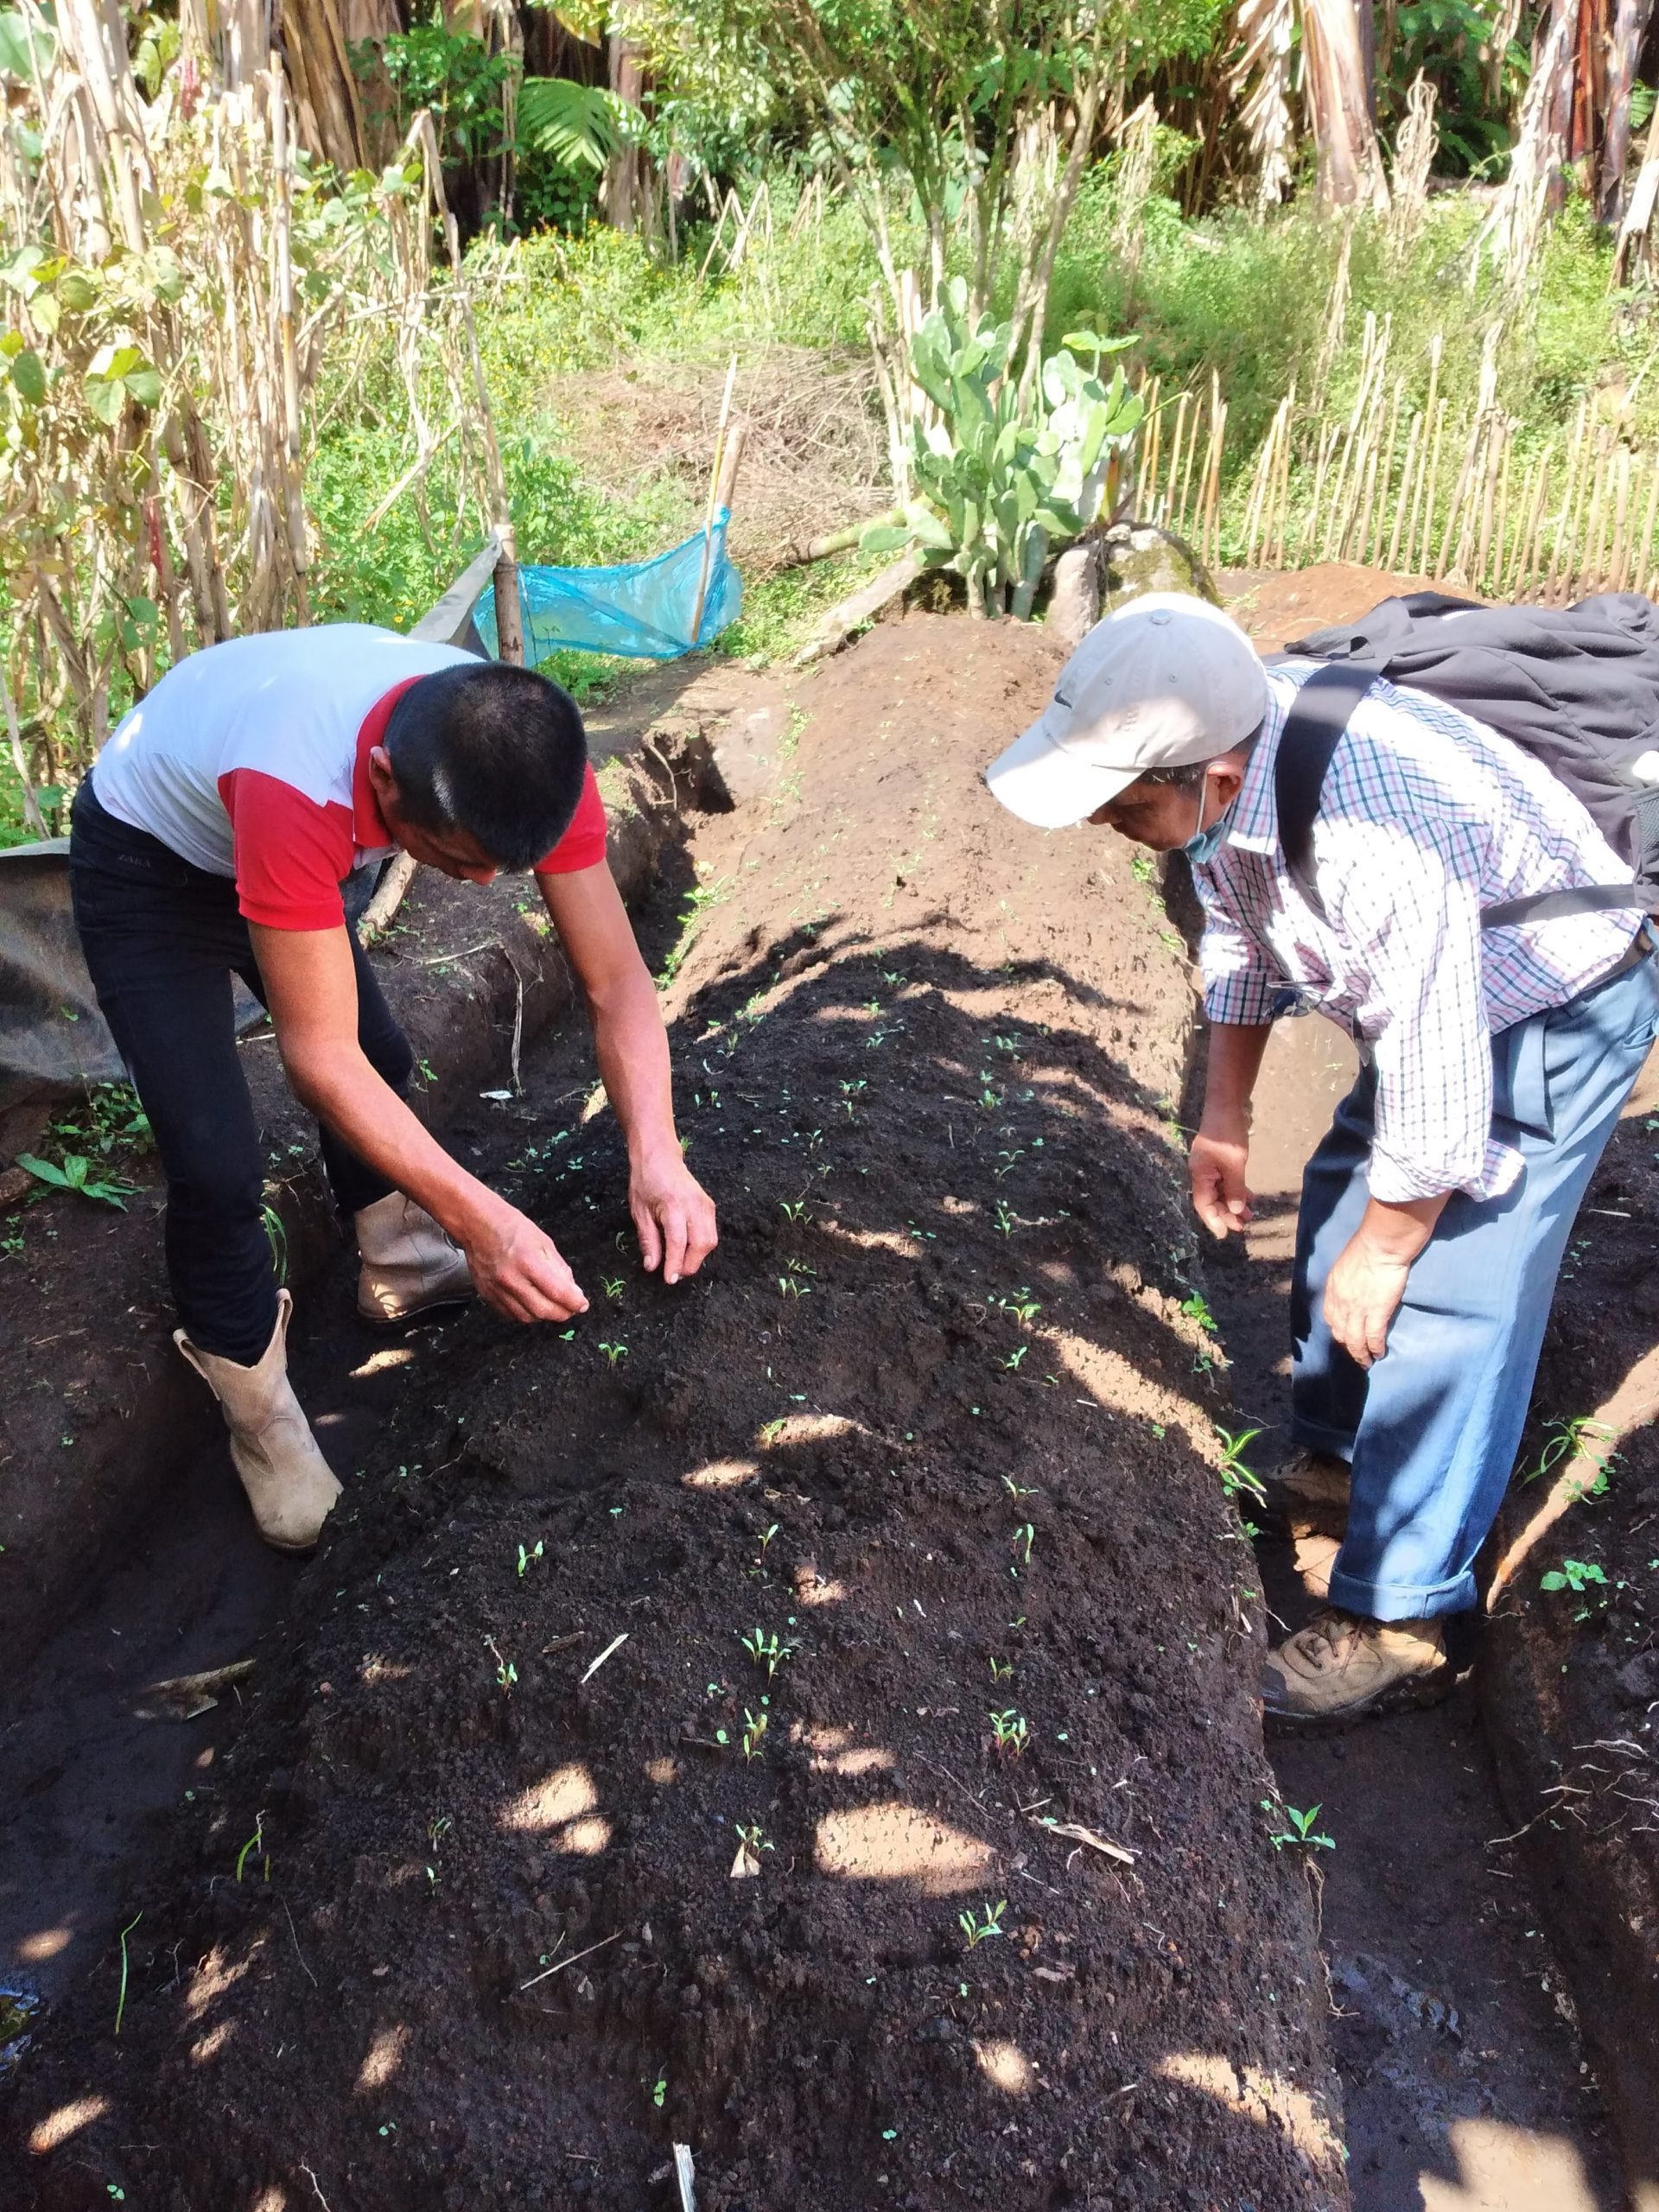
(754, 1730)
(1015, 1357)
(1196, 1310)
(752, 1838)
(659, 2091)
(277, 1237)
(1016, 1490)
(1024, 1537)
(613, 1353)
(76, 1174)
(794, 1209)
(121, 1999)
(1024, 1308)
(1574, 1439)
(1577, 1575)
(1005, 1221)
(766, 1535)
(528, 1559)
(254, 1842)
(1012, 1730)
(611, 1285)
(1001, 1669)
(506, 1673)
(1298, 1830)
(988, 1922)
(1235, 1475)
(766, 1650)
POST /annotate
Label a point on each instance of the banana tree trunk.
(1349, 163)
(1630, 31)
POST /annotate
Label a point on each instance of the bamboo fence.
(1403, 480)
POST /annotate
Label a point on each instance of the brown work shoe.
(1341, 1669)
(1308, 1497)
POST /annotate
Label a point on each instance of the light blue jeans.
(1432, 1430)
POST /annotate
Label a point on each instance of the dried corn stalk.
(172, 274)
(1414, 150)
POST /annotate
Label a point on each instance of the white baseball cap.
(1168, 682)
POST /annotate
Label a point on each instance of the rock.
(743, 750)
(1074, 605)
(1638, 1679)
(1138, 558)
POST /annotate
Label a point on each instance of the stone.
(1138, 558)
(1074, 604)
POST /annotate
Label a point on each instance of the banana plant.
(999, 488)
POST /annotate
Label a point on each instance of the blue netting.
(643, 609)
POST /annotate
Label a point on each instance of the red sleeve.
(291, 854)
(583, 843)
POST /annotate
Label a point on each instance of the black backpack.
(1577, 687)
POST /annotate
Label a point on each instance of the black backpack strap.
(1550, 905)
(1313, 731)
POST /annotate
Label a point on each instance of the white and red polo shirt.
(249, 760)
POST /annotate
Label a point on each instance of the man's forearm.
(367, 1114)
(1231, 1066)
(631, 1047)
(1398, 1228)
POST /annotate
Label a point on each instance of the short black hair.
(497, 751)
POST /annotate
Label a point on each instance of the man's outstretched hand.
(518, 1270)
(674, 1216)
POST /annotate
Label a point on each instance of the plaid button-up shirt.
(1426, 817)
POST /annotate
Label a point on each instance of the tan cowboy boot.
(1308, 1497)
(409, 1264)
(1341, 1669)
(290, 1485)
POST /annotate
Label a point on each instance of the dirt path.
(458, 1915)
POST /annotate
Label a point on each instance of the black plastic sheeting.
(53, 1041)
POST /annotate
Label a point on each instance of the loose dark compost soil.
(461, 1919)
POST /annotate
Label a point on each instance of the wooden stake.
(1430, 488)
(1645, 543)
(714, 479)
(1414, 449)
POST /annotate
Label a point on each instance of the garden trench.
(445, 1923)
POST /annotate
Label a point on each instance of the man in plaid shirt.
(1434, 1215)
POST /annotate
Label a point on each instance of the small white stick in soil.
(615, 1644)
(570, 1961)
(685, 2174)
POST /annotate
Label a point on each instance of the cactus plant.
(999, 489)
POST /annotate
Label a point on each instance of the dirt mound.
(634, 1774)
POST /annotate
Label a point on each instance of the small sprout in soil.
(1576, 1439)
(794, 1209)
(614, 1352)
(771, 1430)
(1196, 1310)
(254, 1842)
(506, 1673)
(766, 1651)
(1001, 1669)
(659, 2091)
(1235, 1475)
(76, 1174)
(1298, 1830)
(976, 1927)
(277, 1237)
(114, 2189)
(1574, 1574)
(1024, 1537)
(755, 1729)
(752, 1838)
(528, 1559)
(1015, 1357)
(121, 1999)
(1005, 1220)
(1012, 1730)
(611, 1285)
(1024, 1308)
(1016, 1490)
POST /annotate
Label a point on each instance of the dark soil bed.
(449, 1925)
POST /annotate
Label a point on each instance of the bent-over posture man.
(213, 838)
(1434, 1215)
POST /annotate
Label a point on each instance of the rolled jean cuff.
(1382, 1601)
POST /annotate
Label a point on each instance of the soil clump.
(667, 1744)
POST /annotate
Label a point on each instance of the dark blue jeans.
(162, 940)
(1432, 1429)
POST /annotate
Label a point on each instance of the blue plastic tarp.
(641, 609)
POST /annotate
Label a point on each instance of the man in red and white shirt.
(215, 837)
